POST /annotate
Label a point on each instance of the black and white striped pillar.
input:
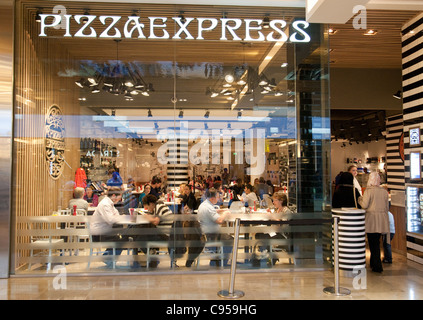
(351, 240)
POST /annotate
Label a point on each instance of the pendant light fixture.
(118, 78)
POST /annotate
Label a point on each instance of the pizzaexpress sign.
(187, 28)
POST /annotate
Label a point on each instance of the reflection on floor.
(401, 280)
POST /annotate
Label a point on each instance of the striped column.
(412, 84)
(351, 239)
(412, 87)
(394, 153)
(177, 168)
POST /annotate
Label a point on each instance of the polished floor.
(402, 280)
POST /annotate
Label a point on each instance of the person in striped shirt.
(161, 218)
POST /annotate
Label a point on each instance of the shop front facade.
(189, 94)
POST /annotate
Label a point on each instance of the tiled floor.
(403, 280)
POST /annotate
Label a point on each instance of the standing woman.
(376, 202)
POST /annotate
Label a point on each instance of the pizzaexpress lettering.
(134, 28)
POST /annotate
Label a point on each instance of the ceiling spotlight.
(80, 83)
(266, 22)
(370, 32)
(37, 15)
(229, 78)
(134, 14)
(149, 113)
(181, 114)
(181, 16)
(397, 95)
(263, 80)
(332, 31)
(85, 19)
(207, 114)
(284, 65)
(239, 114)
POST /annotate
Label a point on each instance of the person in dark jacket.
(344, 196)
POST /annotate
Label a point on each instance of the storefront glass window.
(164, 118)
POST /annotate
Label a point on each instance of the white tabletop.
(127, 220)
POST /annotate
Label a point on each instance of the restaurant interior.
(178, 109)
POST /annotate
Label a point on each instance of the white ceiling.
(339, 12)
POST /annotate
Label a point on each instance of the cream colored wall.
(361, 151)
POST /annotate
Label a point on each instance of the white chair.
(43, 243)
(218, 252)
(94, 250)
(78, 226)
(99, 250)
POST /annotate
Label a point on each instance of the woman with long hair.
(346, 195)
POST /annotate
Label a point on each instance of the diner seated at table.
(211, 218)
(104, 220)
(218, 187)
(156, 189)
(78, 201)
(146, 191)
(115, 179)
(91, 197)
(189, 202)
(161, 218)
(249, 197)
(280, 201)
(237, 190)
(261, 188)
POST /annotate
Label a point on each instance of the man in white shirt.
(78, 200)
(211, 218)
(105, 217)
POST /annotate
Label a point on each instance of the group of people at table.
(208, 210)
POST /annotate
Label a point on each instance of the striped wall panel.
(412, 76)
(412, 72)
(177, 168)
(394, 162)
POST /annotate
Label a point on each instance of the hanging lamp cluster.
(117, 78)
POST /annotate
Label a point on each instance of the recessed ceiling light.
(332, 31)
(284, 65)
(229, 78)
(370, 32)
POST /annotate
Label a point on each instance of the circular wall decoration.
(54, 141)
